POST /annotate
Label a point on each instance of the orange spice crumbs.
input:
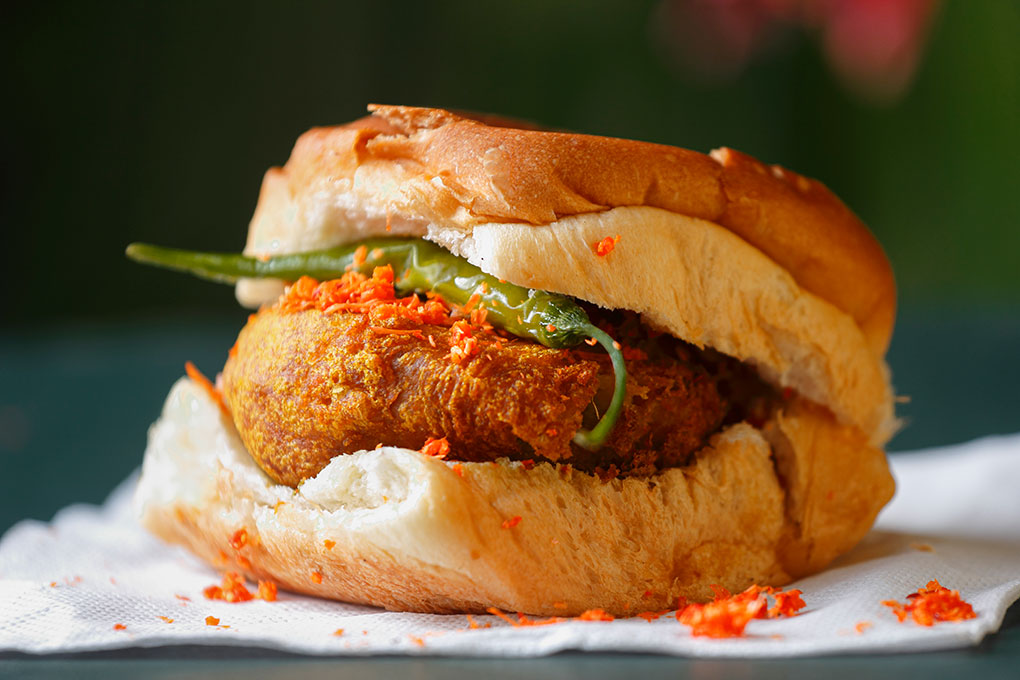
(338, 632)
(595, 615)
(605, 246)
(437, 448)
(862, 626)
(183, 598)
(375, 295)
(727, 615)
(721, 618)
(267, 591)
(522, 620)
(166, 619)
(360, 255)
(243, 562)
(458, 469)
(329, 545)
(316, 576)
(932, 603)
(355, 292)
(463, 344)
(472, 301)
(234, 589)
(119, 626)
(212, 621)
(478, 317)
(239, 539)
(198, 377)
(512, 522)
(922, 547)
(788, 603)
(417, 640)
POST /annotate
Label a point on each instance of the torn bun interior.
(487, 354)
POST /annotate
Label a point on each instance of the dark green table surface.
(75, 403)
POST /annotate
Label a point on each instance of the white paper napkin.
(64, 586)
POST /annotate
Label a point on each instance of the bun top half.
(720, 249)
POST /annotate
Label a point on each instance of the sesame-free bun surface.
(401, 530)
(418, 171)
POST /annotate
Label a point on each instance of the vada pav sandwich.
(495, 366)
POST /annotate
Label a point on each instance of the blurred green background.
(154, 122)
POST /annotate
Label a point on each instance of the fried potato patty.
(306, 386)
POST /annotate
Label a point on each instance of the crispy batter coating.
(670, 409)
(305, 386)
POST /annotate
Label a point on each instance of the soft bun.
(397, 529)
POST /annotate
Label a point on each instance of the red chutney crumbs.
(267, 591)
(474, 625)
(721, 618)
(375, 295)
(594, 615)
(728, 615)
(522, 620)
(239, 539)
(234, 589)
(463, 344)
(788, 603)
(605, 246)
(437, 448)
(932, 603)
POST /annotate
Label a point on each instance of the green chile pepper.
(551, 319)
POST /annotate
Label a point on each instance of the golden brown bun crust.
(400, 530)
(472, 173)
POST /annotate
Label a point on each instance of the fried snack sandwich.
(495, 366)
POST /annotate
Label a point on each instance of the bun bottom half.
(397, 529)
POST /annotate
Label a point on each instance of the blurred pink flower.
(874, 46)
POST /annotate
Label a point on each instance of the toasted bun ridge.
(398, 529)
